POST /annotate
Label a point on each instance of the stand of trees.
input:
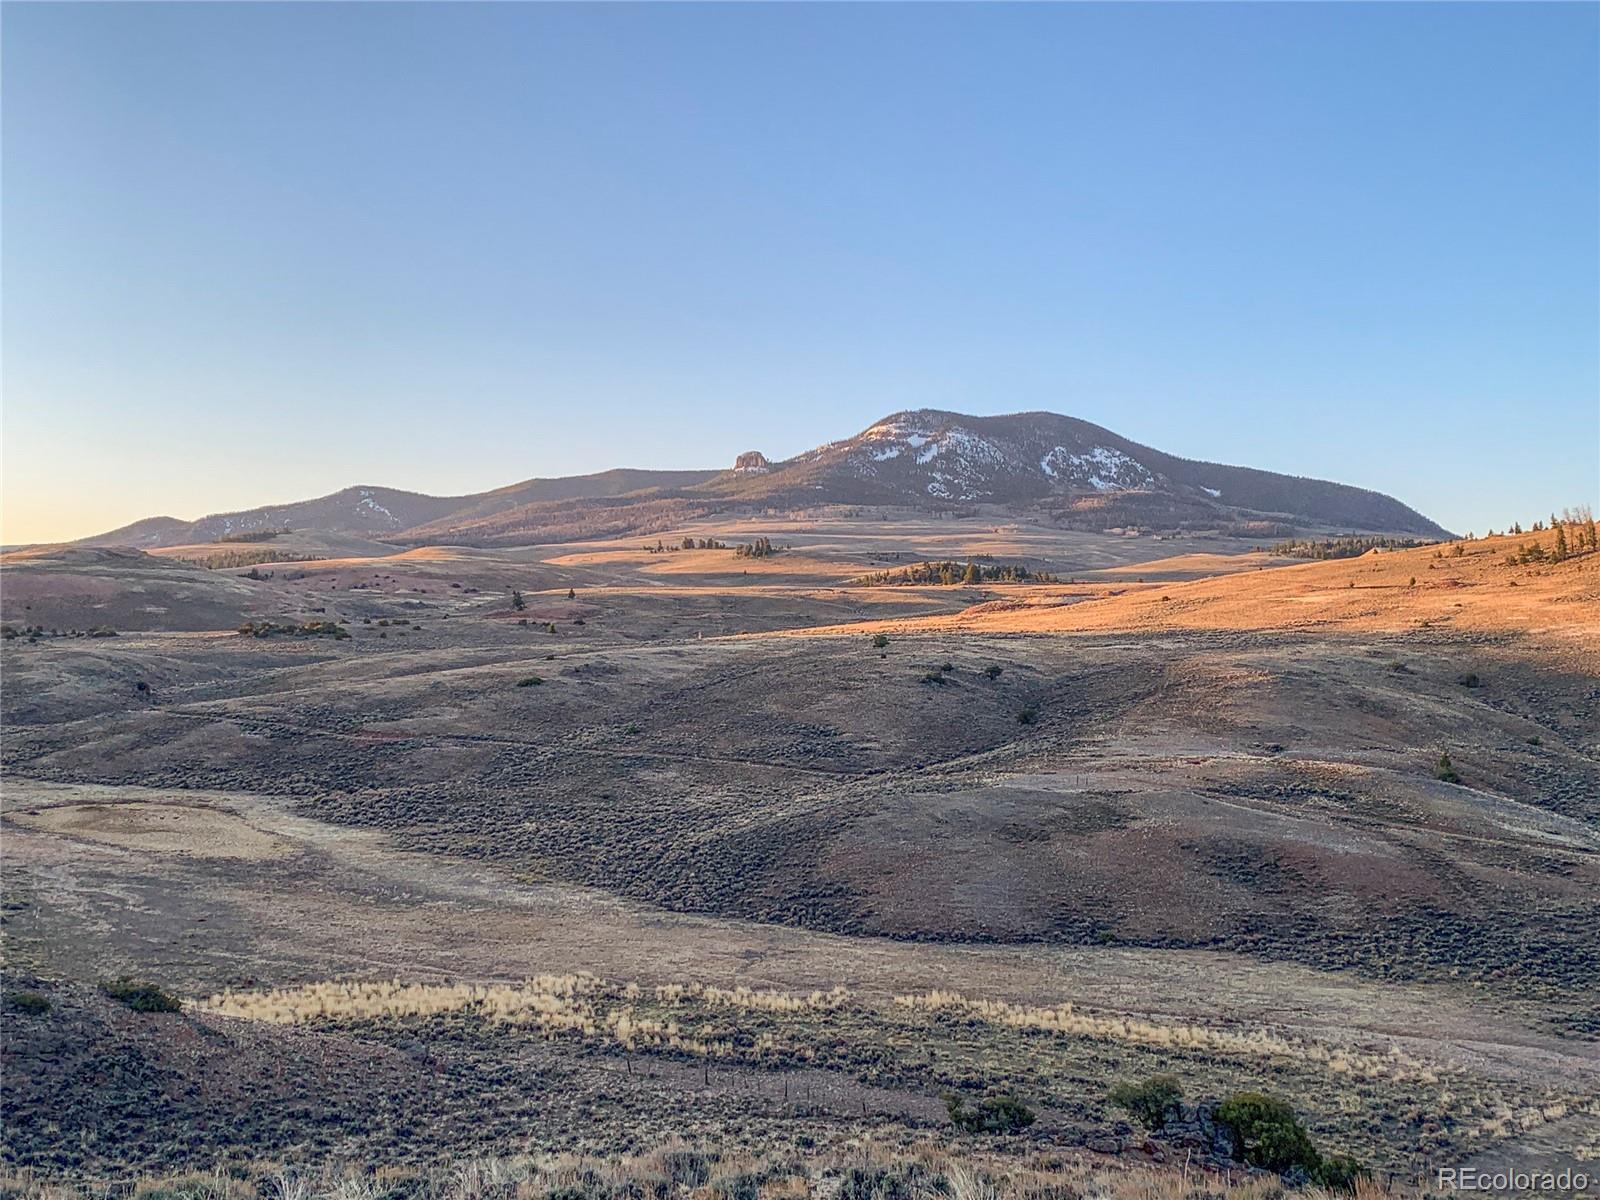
(688, 543)
(1575, 534)
(255, 535)
(1350, 546)
(951, 572)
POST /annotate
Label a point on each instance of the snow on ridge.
(1212, 492)
(371, 505)
(1101, 467)
(963, 464)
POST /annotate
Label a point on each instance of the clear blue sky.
(258, 253)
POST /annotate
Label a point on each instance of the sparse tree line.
(688, 543)
(249, 558)
(255, 535)
(762, 547)
(1349, 546)
(1575, 535)
(949, 572)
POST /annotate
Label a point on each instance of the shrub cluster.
(29, 1003)
(992, 1114)
(1266, 1133)
(143, 997)
(1152, 1103)
(264, 629)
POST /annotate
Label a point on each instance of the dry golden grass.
(551, 1004)
(860, 1166)
(1065, 1019)
(1381, 591)
(593, 1009)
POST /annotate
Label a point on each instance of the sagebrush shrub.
(1152, 1102)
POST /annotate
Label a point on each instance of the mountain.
(929, 456)
(1060, 467)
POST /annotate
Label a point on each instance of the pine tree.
(1561, 543)
(517, 601)
(972, 576)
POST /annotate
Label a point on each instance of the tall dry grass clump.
(1066, 1019)
(549, 1002)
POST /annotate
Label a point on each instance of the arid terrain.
(581, 846)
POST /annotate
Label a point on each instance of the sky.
(258, 253)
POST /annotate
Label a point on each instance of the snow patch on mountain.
(1103, 468)
(371, 505)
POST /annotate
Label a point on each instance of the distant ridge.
(380, 512)
(1069, 470)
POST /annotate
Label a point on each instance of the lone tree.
(571, 594)
(517, 602)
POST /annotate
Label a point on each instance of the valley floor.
(855, 847)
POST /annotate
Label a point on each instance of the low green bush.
(1266, 1133)
(1445, 770)
(992, 1114)
(143, 997)
(1152, 1102)
(31, 1003)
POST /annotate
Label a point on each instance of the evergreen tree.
(1561, 543)
(972, 575)
(517, 601)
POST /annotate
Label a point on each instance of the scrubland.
(773, 863)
